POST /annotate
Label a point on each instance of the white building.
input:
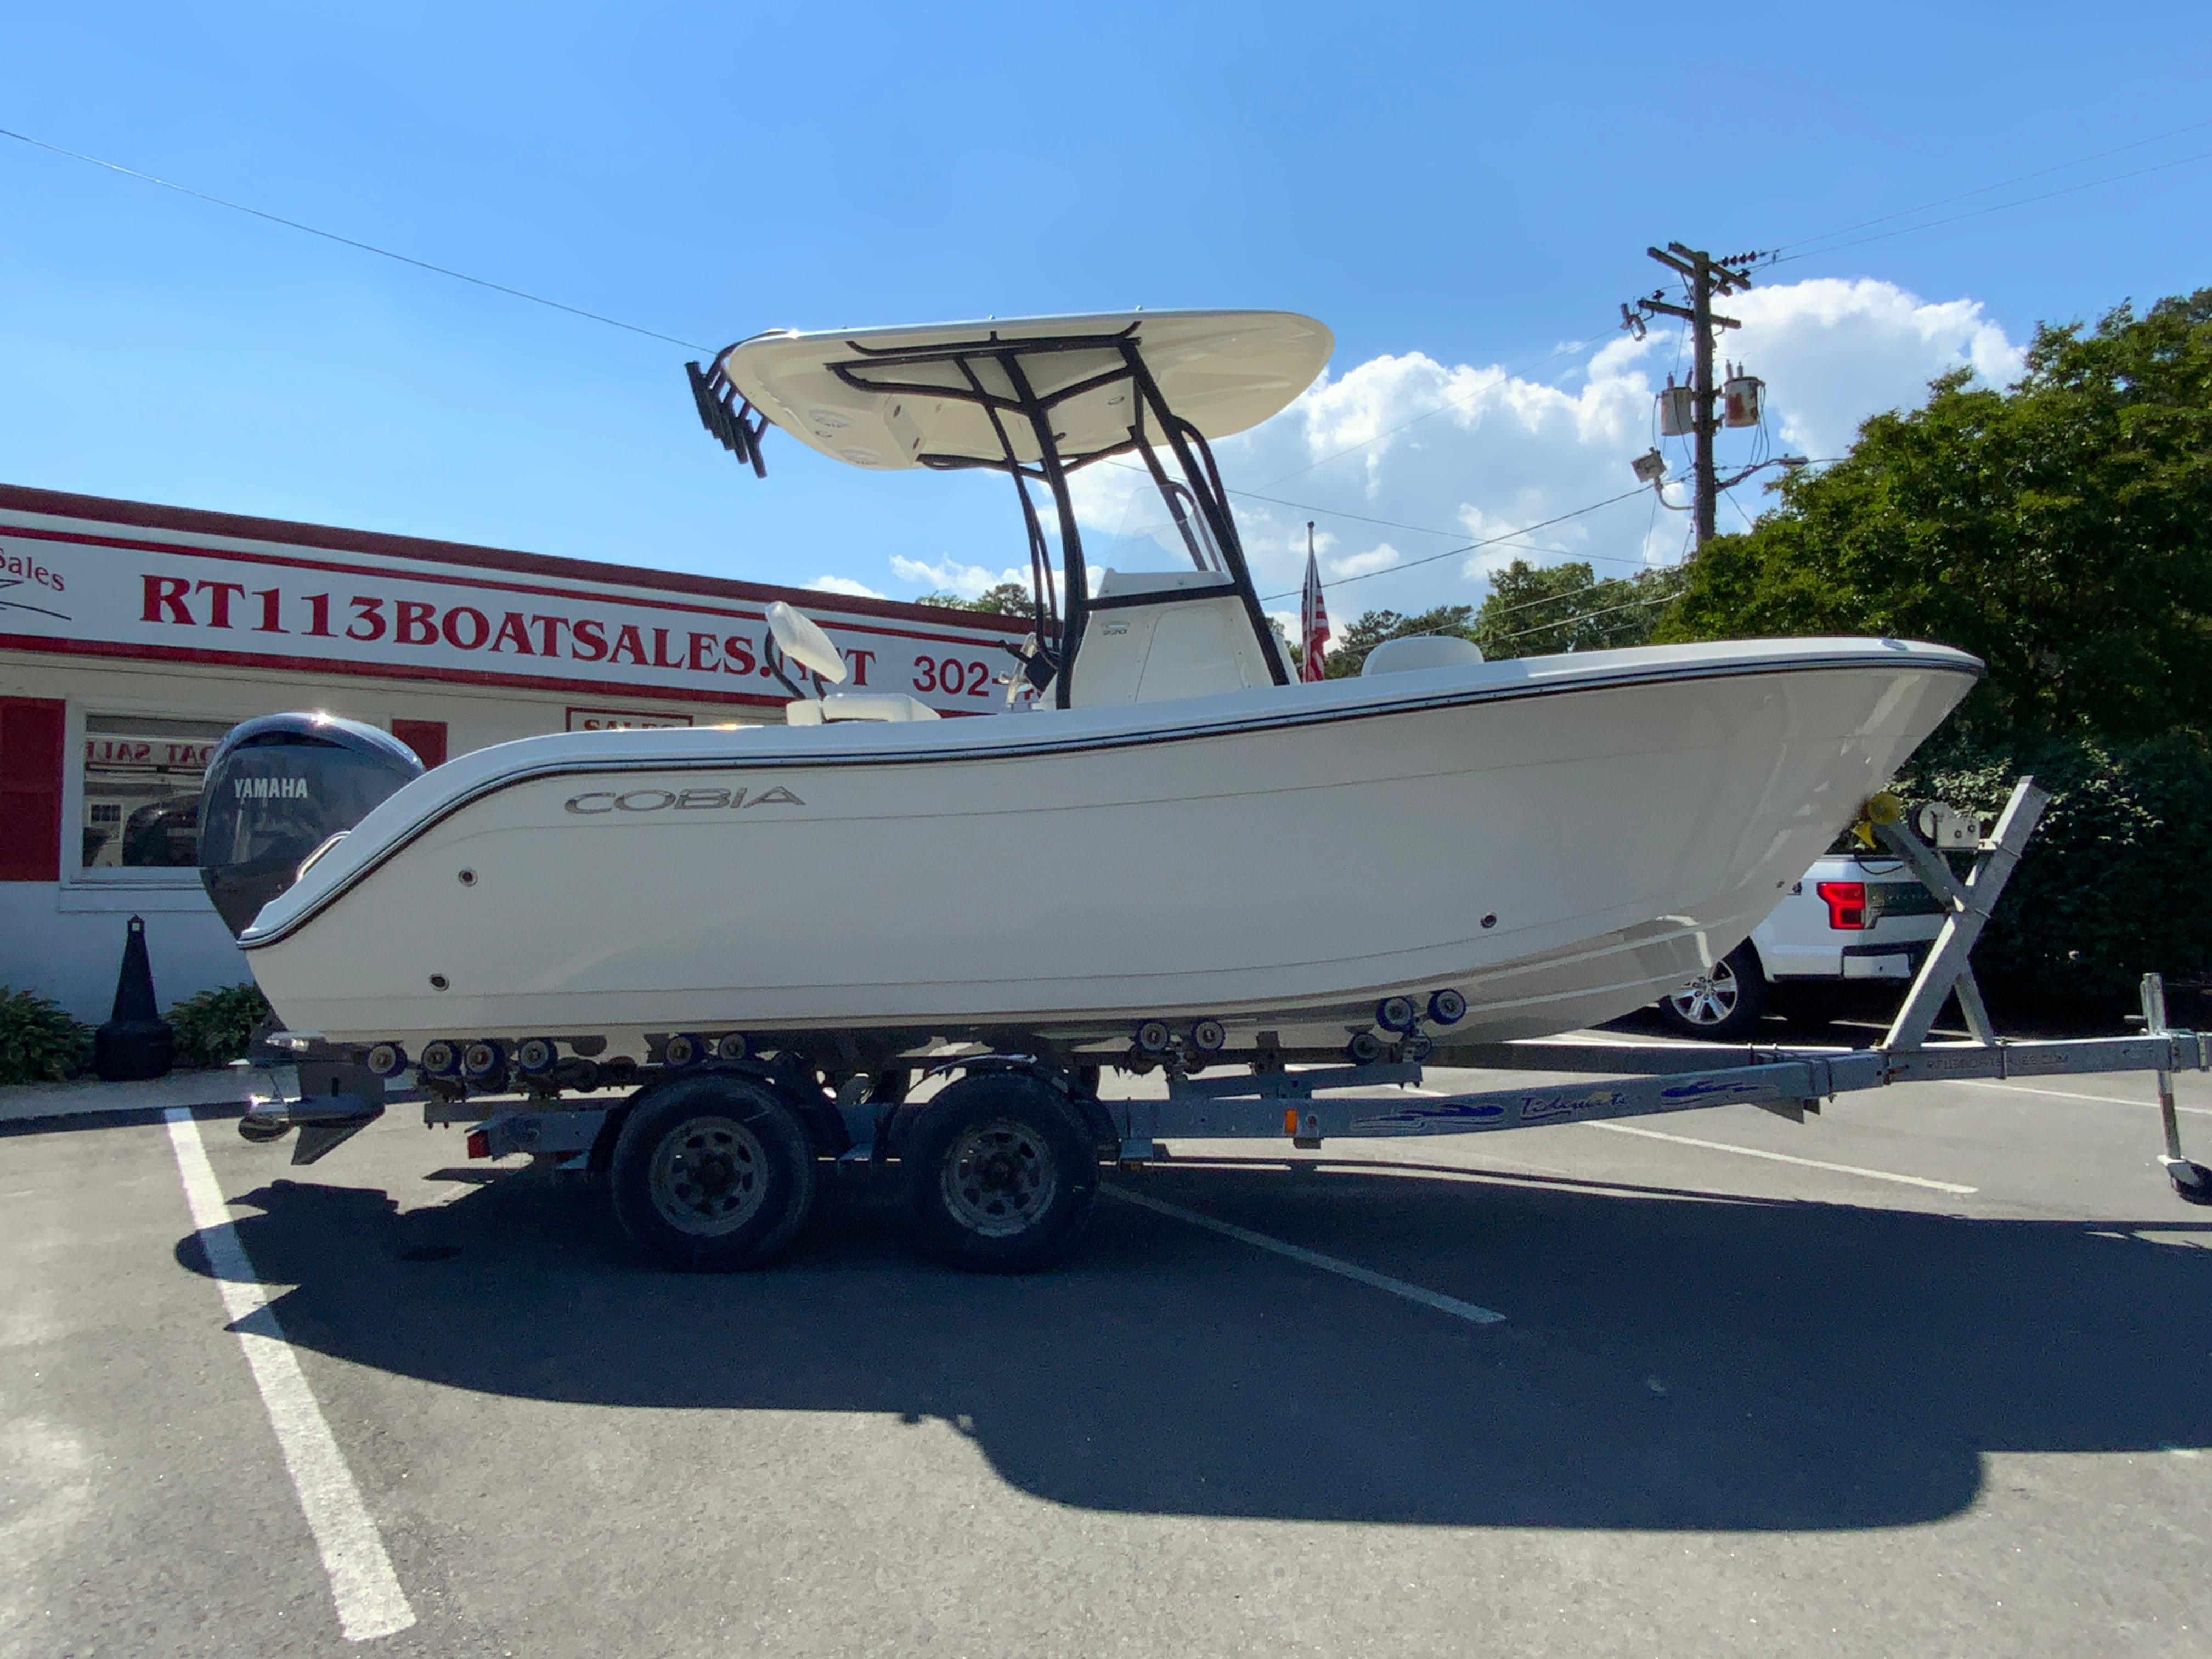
(133, 636)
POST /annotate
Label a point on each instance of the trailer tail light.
(1847, 904)
(479, 1144)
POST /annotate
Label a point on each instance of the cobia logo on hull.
(598, 801)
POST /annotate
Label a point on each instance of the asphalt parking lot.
(1931, 1374)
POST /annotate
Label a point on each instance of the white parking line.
(370, 1603)
(1328, 1264)
(2067, 1094)
(1786, 1158)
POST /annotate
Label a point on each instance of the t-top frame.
(1192, 491)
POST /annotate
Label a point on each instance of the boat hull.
(1561, 845)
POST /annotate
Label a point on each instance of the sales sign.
(117, 590)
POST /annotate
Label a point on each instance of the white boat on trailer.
(1200, 860)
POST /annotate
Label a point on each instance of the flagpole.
(1313, 615)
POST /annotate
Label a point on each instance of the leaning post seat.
(858, 706)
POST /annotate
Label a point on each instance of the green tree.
(1006, 599)
(2060, 529)
(1537, 609)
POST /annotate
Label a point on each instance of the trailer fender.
(814, 1109)
(1083, 1100)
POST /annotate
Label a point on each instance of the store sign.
(112, 590)
(117, 754)
(620, 720)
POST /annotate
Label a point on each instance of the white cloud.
(1832, 353)
(968, 581)
(1376, 558)
(844, 585)
(1505, 452)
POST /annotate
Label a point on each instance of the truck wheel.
(1722, 1007)
(712, 1173)
(1001, 1174)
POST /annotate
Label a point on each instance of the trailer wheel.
(712, 1173)
(1725, 1006)
(1001, 1174)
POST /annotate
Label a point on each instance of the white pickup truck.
(1857, 923)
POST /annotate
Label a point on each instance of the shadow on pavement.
(1669, 1361)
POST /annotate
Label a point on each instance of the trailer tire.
(712, 1173)
(1001, 1174)
(1723, 1006)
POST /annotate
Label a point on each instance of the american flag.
(1313, 617)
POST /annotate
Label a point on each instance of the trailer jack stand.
(1967, 905)
(2193, 1181)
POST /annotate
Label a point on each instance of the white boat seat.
(858, 706)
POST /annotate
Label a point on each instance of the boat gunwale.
(1079, 743)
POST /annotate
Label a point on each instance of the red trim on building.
(193, 521)
(426, 737)
(944, 616)
(389, 672)
(33, 731)
(407, 673)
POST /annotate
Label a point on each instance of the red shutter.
(31, 748)
(426, 737)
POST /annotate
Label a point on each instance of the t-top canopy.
(863, 396)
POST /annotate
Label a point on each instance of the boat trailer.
(1306, 1096)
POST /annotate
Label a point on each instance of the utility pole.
(1706, 276)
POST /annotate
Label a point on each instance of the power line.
(1984, 189)
(1361, 517)
(1454, 552)
(1575, 592)
(1500, 378)
(655, 334)
(2000, 207)
(1419, 529)
(1326, 512)
(1568, 622)
(349, 241)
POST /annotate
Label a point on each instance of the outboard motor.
(280, 787)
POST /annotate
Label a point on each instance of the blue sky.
(1452, 189)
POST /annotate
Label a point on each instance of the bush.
(38, 1042)
(217, 1027)
(2113, 883)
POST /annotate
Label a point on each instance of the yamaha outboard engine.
(278, 788)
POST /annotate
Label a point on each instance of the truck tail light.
(1847, 904)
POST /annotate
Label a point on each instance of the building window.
(142, 790)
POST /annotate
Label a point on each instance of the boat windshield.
(1138, 524)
